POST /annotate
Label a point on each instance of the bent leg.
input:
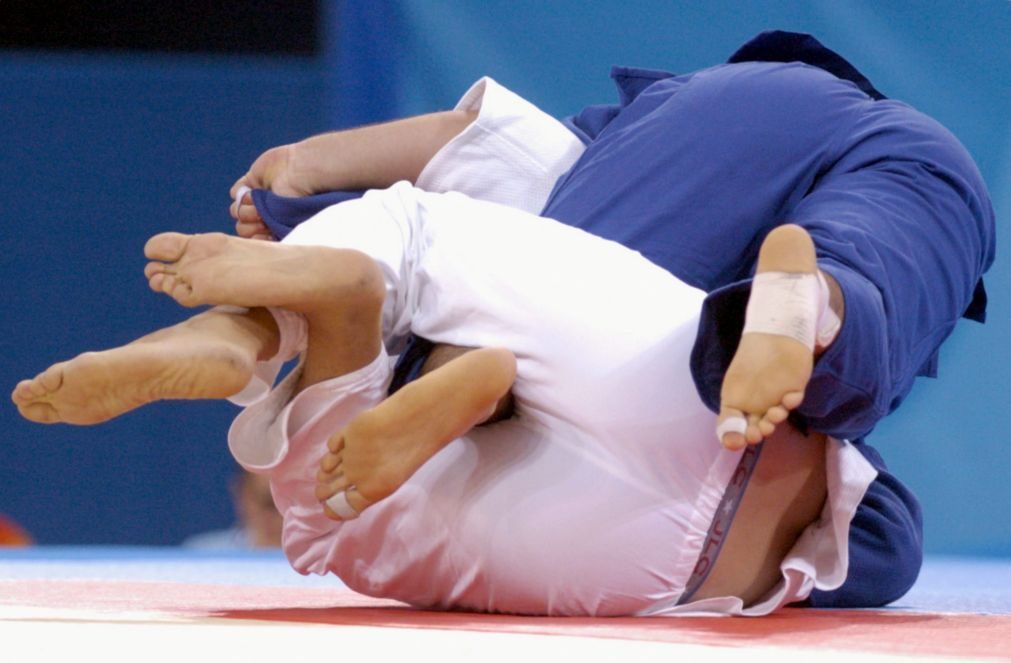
(341, 293)
(903, 222)
(885, 544)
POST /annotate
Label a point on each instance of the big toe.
(731, 428)
(167, 247)
(26, 391)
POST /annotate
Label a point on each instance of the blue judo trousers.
(694, 170)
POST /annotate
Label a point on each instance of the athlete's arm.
(374, 156)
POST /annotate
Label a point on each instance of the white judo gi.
(596, 498)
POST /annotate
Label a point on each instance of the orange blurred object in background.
(13, 535)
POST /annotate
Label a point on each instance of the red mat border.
(873, 631)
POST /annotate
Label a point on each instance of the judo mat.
(153, 604)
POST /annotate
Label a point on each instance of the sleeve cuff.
(511, 154)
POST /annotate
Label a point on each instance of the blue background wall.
(101, 151)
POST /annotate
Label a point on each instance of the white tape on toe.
(785, 304)
(735, 424)
(339, 504)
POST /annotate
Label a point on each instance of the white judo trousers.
(596, 497)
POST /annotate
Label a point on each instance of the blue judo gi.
(694, 170)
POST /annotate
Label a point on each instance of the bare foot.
(215, 268)
(382, 447)
(770, 371)
(187, 361)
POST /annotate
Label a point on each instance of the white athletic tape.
(828, 320)
(339, 504)
(243, 190)
(785, 304)
(735, 424)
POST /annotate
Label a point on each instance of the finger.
(766, 427)
(252, 230)
(249, 215)
(243, 199)
(246, 212)
(239, 183)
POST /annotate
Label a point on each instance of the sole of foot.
(382, 447)
(769, 372)
(98, 386)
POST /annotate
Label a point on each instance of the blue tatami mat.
(961, 584)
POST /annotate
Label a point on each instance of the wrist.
(316, 164)
(304, 173)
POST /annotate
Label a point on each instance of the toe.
(793, 399)
(734, 441)
(754, 433)
(776, 414)
(357, 501)
(178, 290)
(23, 392)
(330, 462)
(329, 487)
(156, 282)
(166, 283)
(328, 475)
(48, 381)
(766, 427)
(40, 413)
(167, 247)
(323, 491)
(353, 498)
(153, 268)
(731, 434)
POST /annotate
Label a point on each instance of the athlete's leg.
(340, 292)
(897, 210)
(903, 225)
(211, 355)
